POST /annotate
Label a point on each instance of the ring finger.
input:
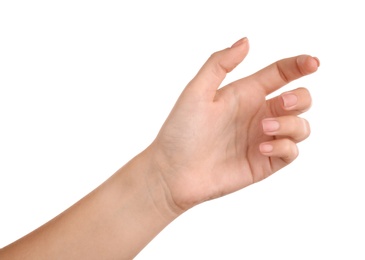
(294, 127)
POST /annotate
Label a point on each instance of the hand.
(219, 140)
(214, 142)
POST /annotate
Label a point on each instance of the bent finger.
(284, 149)
(293, 102)
(293, 127)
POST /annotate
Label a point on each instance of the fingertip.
(240, 42)
(240, 49)
(229, 58)
(308, 64)
(312, 63)
(318, 61)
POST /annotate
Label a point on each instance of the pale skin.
(216, 140)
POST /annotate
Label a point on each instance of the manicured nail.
(266, 148)
(270, 125)
(239, 42)
(289, 99)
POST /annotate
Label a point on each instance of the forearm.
(115, 221)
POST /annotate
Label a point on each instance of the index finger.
(284, 71)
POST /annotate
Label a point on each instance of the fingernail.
(270, 125)
(266, 148)
(289, 99)
(239, 42)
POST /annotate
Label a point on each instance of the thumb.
(215, 69)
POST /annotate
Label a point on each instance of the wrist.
(153, 179)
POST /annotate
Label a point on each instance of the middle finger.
(293, 102)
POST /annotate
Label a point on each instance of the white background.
(86, 85)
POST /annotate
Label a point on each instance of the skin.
(216, 140)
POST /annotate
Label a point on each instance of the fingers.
(213, 72)
(292, 102)
(284, 71)
(288, 131)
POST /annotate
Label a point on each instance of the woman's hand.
(214, 142)
(219, 140)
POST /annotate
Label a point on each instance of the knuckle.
(290, 150)
(215, 56)
(293, 151)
